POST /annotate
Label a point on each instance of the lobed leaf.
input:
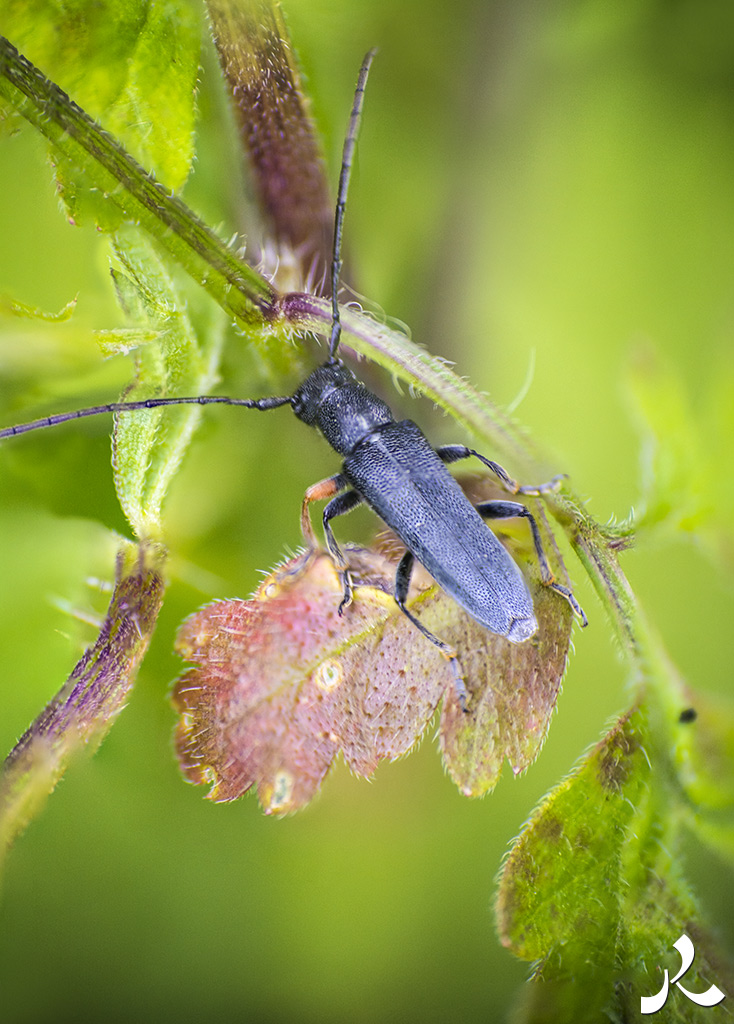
(516, 693)
(282, 683)
(518, 684)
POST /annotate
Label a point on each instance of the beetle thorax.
(332, 399)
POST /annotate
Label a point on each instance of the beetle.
(391, 466)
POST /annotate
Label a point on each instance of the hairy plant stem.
(252, 300)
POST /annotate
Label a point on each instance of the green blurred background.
(544, 185)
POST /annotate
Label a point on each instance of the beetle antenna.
(341, 199)
(263, 404)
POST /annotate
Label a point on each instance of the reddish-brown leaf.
(281, 683)
(513, 690)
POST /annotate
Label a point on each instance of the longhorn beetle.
(391, 467)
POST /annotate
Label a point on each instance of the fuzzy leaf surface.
(593, 893)
(133, 67)
(282, 683)
(149, 445)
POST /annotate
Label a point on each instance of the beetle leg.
(449, 453)
(402, 586)
(338, 506)
(512, 509)
(319, 492)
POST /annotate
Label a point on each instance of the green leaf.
(593, 893)
(157, 102)
(237, 287)
(718, 430)
(684, 451)
(148, 447)
(704, 756)
(112, 172)
(22, 309)
(674, 467)
(82, 202)
(133, 67)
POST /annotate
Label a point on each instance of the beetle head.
(332, 399)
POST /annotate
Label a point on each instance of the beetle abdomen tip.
(522, 629)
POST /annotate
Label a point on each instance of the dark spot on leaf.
(615, 762)
(583, 839)
(550, 828)
(688, 715)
